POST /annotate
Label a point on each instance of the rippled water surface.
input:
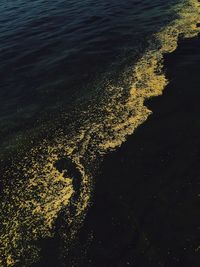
(74, 76)
(52, 50)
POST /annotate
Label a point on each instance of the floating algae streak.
(56, 175)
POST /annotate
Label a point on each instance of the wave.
(56, 176)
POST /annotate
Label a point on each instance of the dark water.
(52, 51)
(147, 214)
(65, 101)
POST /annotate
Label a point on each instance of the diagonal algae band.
(40, 190)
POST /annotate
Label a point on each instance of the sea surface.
(53, 53)
(74, 76)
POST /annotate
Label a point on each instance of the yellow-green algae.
(31, 204)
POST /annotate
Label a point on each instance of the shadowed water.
(74, 79)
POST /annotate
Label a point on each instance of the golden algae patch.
(32, 203)
(185, 25)
(40, 188)
(148, 78)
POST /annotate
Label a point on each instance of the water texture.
(74, 78)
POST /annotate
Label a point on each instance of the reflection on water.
(55, 175)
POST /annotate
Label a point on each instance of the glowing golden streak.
(31, 205)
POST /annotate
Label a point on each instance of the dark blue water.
(52, 51)
(60, 62)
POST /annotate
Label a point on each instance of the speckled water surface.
(75, 76)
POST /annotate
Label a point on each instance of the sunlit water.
(74, 77)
